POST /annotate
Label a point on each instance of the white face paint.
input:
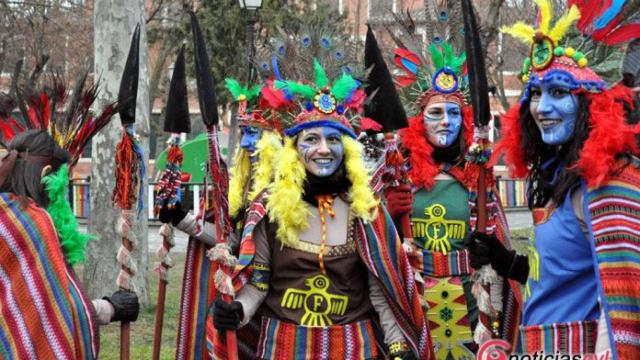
(442, 122)
(321, 150)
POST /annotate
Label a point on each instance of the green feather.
(253, 92)
(343, 87)
(457, 62)
(447, 50)
(320, 75)
(307, 92)
(436, 56)
(72, 241)
(234, 87)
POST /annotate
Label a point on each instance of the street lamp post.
(250, 8)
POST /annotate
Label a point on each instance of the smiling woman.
(319, 257)
(570, 139)
(321, 150)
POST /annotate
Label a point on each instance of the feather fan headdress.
(313, 72)
(602, 23)
(68, 119)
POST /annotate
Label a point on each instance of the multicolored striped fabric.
(577, 337)
(497, 225)
(454, 263)
(45, 314)
(286, 341)
(380, 249)
(613, 217)
(197, 294)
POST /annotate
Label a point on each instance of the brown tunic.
(301, 294)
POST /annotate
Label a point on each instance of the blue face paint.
(321, 150)
(554, 109)
(250, 137)
(442, 122)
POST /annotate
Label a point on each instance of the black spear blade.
(475, 66)
(385, 107)
(177, 113)
(129, 84)
(204, 79)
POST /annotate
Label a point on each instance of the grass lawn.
(142, 329)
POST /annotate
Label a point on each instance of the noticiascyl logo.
(494, 349)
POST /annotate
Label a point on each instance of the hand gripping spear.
(216, 199)
(478, 154)
(130, 172)
(386, 109)
(168, 188)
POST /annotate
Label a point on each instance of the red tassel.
(125, 163)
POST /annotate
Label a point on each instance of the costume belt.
(454, 263)
(285, 340)
(577, 337)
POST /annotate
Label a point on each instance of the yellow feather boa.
(267, 151)
(286, 206)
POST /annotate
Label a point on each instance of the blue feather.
(609, 14)
(413, 67)
(276, 68)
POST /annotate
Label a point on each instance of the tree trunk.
(114, 21)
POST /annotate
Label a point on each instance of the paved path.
(517, 219)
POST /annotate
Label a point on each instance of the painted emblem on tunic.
(534, 264)
(437, 230)
(317, 302)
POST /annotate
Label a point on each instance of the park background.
(67, 37)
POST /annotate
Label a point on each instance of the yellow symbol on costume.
(317, 302)
(450, 334)
(437, 229)
(534, 263)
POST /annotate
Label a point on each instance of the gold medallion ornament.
(318, 304)
(542, 51)
(437, 230)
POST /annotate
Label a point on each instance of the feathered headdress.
(312, 74)
(423, 85)
(602, 24)
(609, 135)
(68, 119)
(324, 102)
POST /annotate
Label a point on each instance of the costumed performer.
(569, 138)
(441, 201)
(320, 259)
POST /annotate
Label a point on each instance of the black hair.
(552, 173)
(26, 178)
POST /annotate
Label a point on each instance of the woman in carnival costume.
(320, 261)
(252, 171)
(254, 161)
(441, 202)
(45, 312)
(569, 137)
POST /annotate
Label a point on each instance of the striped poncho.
(613, 218)
(45, 314)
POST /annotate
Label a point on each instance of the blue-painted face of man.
(250, 137)
(442, 122)
(554, 109)
(321, 150)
